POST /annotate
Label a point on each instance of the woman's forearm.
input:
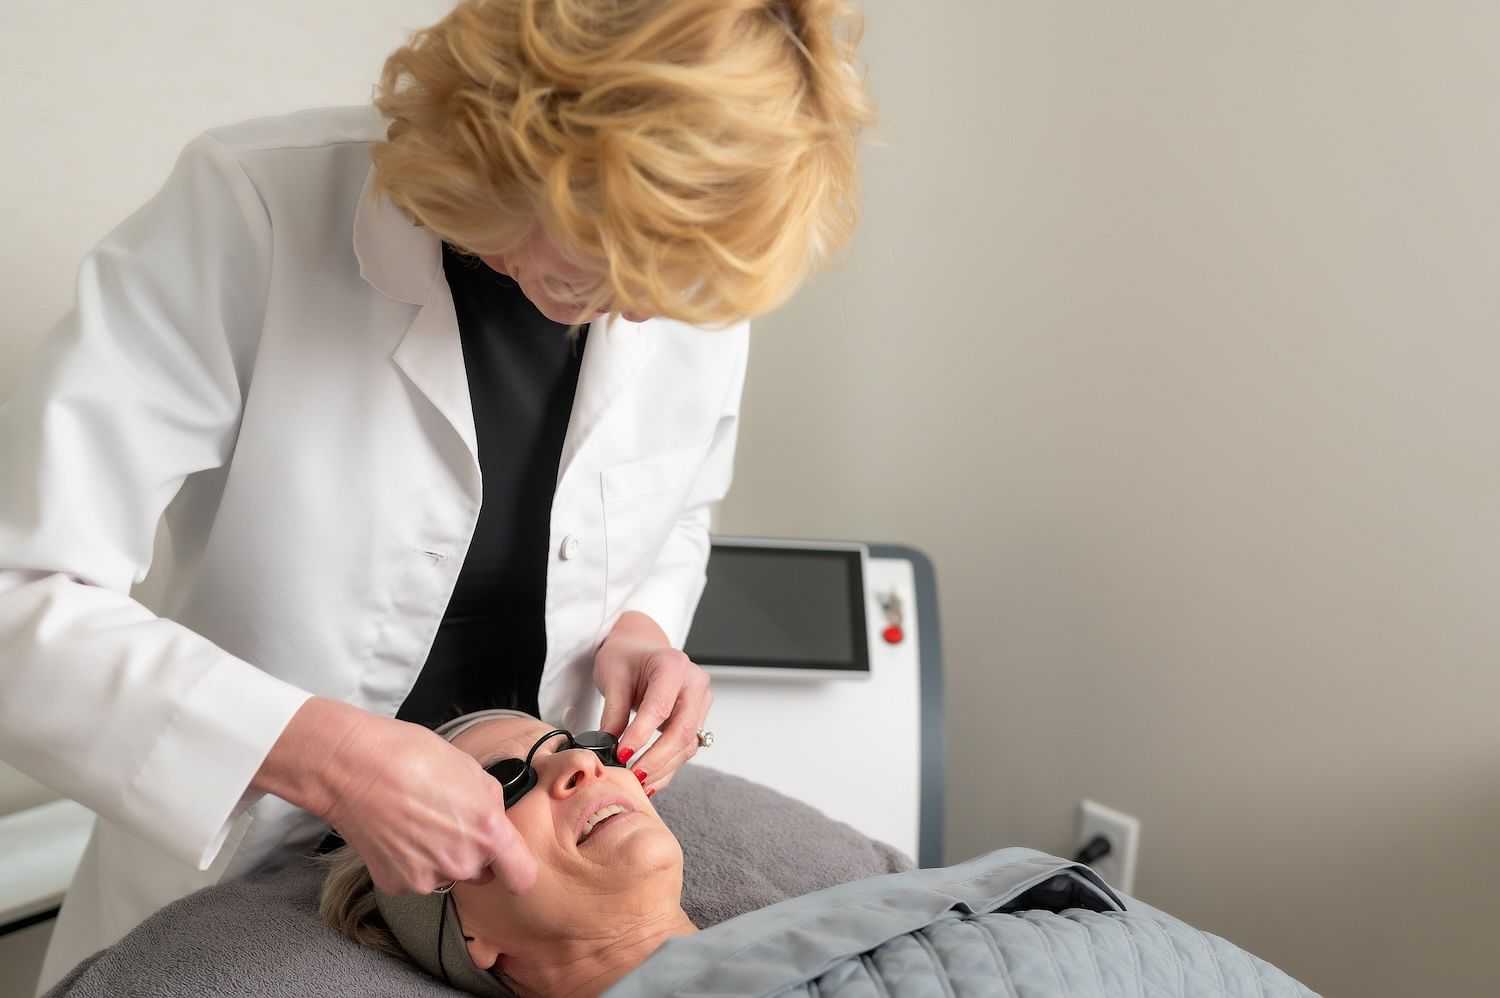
(305, 766)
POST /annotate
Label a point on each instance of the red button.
(893, 634)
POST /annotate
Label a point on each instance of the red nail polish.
(624, 754)
(651, 792)
(640, 774)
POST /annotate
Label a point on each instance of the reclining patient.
(606, 911)
(609, 875)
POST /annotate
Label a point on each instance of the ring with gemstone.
(445, 888)
(705, 739)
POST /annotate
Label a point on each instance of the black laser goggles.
(517, 776)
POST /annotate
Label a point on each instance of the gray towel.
(744, 846)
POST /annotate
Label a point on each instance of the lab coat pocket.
(650, 475)
(642, 501)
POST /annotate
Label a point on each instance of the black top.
(522, 373)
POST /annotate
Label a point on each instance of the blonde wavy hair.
(347, 902)
(699, 156)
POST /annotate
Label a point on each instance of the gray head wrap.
(427, 925)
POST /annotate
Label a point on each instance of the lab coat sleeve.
(139, 386)
(669, 594)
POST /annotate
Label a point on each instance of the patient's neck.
(587, 966)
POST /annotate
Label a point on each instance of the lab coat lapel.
(431, 355)
(404, 262)
(617, 349)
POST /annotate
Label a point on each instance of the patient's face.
(625, 865)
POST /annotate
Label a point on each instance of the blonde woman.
(434, 398)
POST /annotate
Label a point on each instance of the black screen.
(787, 608)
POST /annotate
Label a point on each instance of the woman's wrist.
(637, 628)
(301, 766)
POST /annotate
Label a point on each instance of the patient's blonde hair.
(347, 903)
(698, 154)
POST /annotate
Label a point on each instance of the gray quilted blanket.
(1015, 923)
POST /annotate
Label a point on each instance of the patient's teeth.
(608, 811)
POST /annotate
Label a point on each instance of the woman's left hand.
(637, 668)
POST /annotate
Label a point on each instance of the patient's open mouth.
(600, 817)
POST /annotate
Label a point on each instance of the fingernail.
(640, 774)
(624, 754)
(651, 792)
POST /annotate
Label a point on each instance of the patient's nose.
(576, 769)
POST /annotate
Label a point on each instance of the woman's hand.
(420, 812)
(637, 667)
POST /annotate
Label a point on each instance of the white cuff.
(194, 784)
(664, 602)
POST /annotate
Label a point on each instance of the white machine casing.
(852, 749)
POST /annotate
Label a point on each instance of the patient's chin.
(640, 845)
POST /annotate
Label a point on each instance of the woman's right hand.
(420, 812)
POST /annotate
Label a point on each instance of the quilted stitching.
(1001, 971)
(1038, 954)
(943, 972)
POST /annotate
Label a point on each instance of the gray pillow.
(744, 846)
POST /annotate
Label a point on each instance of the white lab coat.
(269, 360)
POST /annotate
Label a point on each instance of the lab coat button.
(570, 547)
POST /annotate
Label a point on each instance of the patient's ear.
(482, 953)
(477, 923)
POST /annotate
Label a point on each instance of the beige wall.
(1173, 334)
(17, 792)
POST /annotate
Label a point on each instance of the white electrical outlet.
(1124, 834)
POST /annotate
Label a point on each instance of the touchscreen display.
(772, 607)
